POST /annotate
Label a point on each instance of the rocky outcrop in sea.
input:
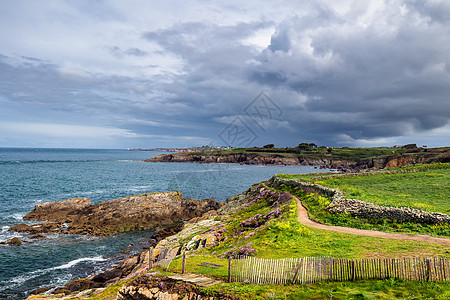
(140, 212)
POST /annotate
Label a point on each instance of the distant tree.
(329, 149)
(312, 145)
(269, 146)
(304, 146)
(410, 146)
(323, 147)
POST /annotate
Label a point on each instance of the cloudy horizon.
(143, 74)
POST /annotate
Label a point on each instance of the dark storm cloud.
(213, 60)
(395, 76)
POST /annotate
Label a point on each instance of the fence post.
(296, 271)
(183, 265)
(428, 270)
(353, 270)
(150, 256)
(230, 263)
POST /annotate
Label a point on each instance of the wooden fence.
(315, 269)
(165, 257)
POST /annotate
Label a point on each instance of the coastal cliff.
(80, 216)
(324, 161)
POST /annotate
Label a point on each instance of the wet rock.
(107, 276)
(25, 228)
(41, 291)
(81, 284)
(15, 241)
(125, 251)
(38, 236)
(36, 229)
(63, 291)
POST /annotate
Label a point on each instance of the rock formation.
(79, 216)
(15, 241)
(146, 288)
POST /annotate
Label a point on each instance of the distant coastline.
(343, 159)
(181, 150)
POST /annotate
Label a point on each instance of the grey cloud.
(280, 41)
(120, 53)
(397, 77)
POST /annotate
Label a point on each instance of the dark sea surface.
(31, 176)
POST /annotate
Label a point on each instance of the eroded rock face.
(79, 216)
(146, 288)
(57, 211)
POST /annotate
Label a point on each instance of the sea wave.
(77, 261)
(14, 162)
(18, 216)
(16, 281)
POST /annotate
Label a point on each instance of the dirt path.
(304, 219)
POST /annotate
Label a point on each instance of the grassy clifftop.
(342, 158)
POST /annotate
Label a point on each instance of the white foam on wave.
(16, 281)
(18, 216)
(138, 188)
(77, 261)
(6, 235)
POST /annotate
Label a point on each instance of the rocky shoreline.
(129, 265)
(167, 210)
(298, 160)
(168, 236)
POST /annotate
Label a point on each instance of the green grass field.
(427, 189)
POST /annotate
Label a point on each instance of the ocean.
(32, 176)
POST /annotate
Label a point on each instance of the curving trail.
(304, 219)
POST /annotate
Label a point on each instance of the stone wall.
(364, 209)
(371, 211)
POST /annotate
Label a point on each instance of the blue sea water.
(31, 176)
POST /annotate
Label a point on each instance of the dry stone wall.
(364, 209)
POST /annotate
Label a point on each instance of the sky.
(144, 74)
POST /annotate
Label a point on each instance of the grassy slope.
(283, 237)
(428, 189)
